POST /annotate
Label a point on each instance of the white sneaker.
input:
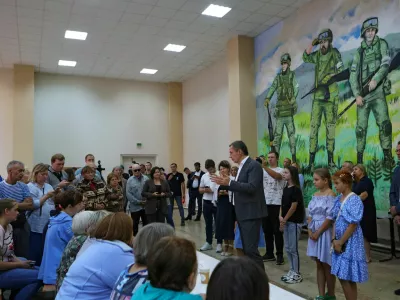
(219, 248)
(228, 254)
(223, 253)
(206, 247)
(295, 278)
(287, 276)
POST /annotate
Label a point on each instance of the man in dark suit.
(248, 198)
(193, 185)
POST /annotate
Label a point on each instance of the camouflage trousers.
(328, 109)
(287, 122)
(375, 102)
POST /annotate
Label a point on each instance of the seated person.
(58, 235)
(94, 273)
(83, 223)
(238, 278)
(15, 274)
(136, 273)
(172, 269)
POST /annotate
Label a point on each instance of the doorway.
(127, 159)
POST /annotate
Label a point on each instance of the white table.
(276, 293)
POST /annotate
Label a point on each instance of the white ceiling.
(125, 36)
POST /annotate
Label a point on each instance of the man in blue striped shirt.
(12, 188)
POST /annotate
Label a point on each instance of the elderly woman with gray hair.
(136, 274)
(83, 224)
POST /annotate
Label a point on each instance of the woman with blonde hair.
(42, 195)
(364, 188)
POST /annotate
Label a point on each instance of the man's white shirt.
(273, 188)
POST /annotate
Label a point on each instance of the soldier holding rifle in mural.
(328, 62)
(287, 88)
(369, 72)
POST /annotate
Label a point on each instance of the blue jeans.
(36, 247)
(178, 200)
(25, 280)
(291, 234)
(170, 220)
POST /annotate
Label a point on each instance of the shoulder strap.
(341, 205)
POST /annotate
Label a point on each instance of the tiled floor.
(384, 277)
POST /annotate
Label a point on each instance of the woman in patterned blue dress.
(348, 255)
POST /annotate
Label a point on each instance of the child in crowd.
(59, 233)
(172, 269)
(16, 274)
(236, 279)
(320, 232)
(348, 254)
(291, 221)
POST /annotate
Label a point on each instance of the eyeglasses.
(323, 36)
(136, 170)
(371, 22)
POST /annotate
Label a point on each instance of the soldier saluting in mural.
(287, 88)
(369, 71)
(328, 62)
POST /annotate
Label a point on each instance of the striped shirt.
(19, 191)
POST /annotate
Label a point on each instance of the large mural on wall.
(328, 88)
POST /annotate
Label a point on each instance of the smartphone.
(32, 263)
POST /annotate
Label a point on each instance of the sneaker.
(223, 253)
(197, 219)
(219, 248)
(268, 258)
(280, 261)
(295, 278)
(188, 218)
(206, 247)
(287, 276)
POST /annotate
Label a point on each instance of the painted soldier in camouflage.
(372, 60)
(287, 88)
(328, 62)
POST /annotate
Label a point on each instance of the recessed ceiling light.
(174, 48)
(216, 11)
(148, 71)
(75, 35)
(67, 63)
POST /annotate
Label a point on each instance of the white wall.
(206, 116)
(6, 119)
(80, 115)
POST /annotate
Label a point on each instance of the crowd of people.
(70, 234)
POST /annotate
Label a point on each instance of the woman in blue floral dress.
(348, 255)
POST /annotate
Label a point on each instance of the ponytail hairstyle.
(6, 203)
(67, 198)
(324, 174)
(344, 176)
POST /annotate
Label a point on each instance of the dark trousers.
(136, 216)
(36, 247)
(210, 215)
(158, 217)
(270, 225)
(21, 240)
(193, 196)
(250, 235)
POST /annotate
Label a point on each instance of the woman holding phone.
(156, 191)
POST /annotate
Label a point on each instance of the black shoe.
(197, 219)
(183, 223)
(280, 261)
(268, 258)
(188, 218)
(397, 292)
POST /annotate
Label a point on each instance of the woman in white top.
(15, 273)
(42, 194)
